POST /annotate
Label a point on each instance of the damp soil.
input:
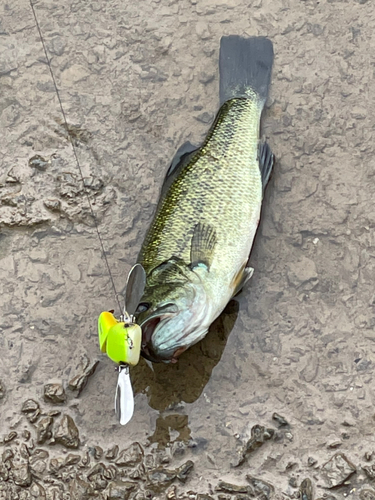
(278, 401)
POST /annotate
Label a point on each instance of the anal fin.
(266, 161)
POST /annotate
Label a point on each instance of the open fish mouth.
(148, 329)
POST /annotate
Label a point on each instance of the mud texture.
(136, 80)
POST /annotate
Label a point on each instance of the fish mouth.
(148, 329)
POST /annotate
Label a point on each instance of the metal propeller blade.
(135, 287)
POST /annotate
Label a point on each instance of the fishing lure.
(121, 341)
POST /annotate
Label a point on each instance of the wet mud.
(278, 401)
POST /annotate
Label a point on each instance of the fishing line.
(75, 155)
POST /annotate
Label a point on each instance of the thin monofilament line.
(75, 154)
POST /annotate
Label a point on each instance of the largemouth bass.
(196, 250)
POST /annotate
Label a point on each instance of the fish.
(196, 250)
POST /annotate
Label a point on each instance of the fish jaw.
(148, 329)
(165, 336)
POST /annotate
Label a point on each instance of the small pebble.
(293, 482)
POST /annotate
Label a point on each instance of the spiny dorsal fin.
(180, 160)
(202, 245)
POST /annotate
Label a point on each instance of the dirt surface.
(136, 80)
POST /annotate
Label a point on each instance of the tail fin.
(245, 66)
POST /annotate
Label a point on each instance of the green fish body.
(196, 250)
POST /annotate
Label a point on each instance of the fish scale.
(221, 186)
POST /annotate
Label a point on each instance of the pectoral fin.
(241, 279)
(203, 245)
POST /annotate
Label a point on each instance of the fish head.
(172, 318)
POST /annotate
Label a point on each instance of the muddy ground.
(136, 80)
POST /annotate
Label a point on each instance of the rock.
(178, 449)
(97, 476)
(130, 456)
(21, 475)
(54, 393)
(259, 435)
(12, 435)
(4, 473)
(7, 454)
(159, 479)
(367, 494)
(79, 382)
(111, 472)
(202, 30)
(67, 433)
(334, 444)
(81, 490)
(201, 496)
(96, 452)
(232, 488)
(311, 461)
(204, 117)
(72, 459)
(369, 471)
(282, 422)
(24, 451)
(336, 471)
(39, 163)
(56, 464)
(37, 491)
(121, 490)
(2, 390)
(112, 453)
(40, 453)
(261, 488)
(184, 471)
(38, 463)
(57, 46)
(306, 490)
(302, 271)
(86, 459)
(52, 204)
(26, 435)
(53, 413)
(138, 473)
(31, 409)
(44, 429)
(171, 493)
(93, 183)
(206, 78)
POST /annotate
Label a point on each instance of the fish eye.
(143, 307)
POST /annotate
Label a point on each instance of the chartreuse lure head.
(121, 340)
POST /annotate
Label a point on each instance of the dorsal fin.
(182, 157)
